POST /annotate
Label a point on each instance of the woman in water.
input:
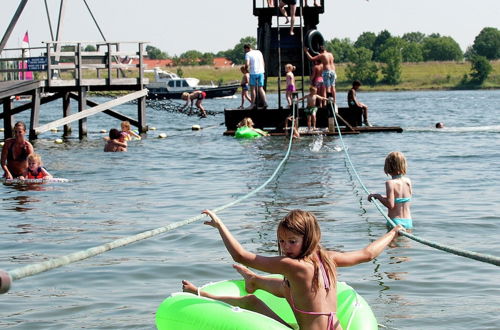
(15, 153)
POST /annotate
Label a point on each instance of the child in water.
(116, 141)
(309, 270)
(290, 83)
(130, 134)
(199, 96)
(248, 122)
(311, 109)
(35, 169)
(245, 80)
(398, 190)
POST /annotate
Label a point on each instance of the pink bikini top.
(331, 315)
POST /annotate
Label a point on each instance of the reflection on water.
(21, 203)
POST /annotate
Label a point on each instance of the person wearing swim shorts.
(329, 76)
(317, 79)
(311, 109)
(254, 62)
(199, 96)
(292, 5)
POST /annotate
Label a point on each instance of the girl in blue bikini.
(310, 271)
(398, 190)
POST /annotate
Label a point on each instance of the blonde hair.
(247, 121)
(395, 163)
(185, 95)
(35, 158)
(305, 224)
(289, 67)
(125, 125)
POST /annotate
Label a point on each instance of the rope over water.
(494, 260)
(6, 278)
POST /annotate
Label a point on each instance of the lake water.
(455, 173)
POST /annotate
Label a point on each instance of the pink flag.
(28, 75)
(26, 38)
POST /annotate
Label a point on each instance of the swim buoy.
(187, 311)
(245, 132)
(314, 39)
(35, 181)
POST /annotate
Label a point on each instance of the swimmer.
(440, 125)
(35, 169)
(130, 134)
(309, 270)
(15, 152)
(398, 190)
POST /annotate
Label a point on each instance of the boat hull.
(160, 93)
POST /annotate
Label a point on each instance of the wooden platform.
(273, 121)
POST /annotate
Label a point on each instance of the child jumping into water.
(309, 270)
(35, 169)
(398, 190)
(199, 96)
(290, 83)
(245, 80)
(312, 108)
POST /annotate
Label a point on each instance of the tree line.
(374, 55)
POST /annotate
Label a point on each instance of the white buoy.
(162, 135)
(2, 143)
(103, 131)
(2, 129)
(58, 141)
(196, 127)
(152, 128)
(53, 129)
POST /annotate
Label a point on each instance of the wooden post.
(141, 102)
(82, 103)
(49, 64)
(7, 119)
(78, 63)
(110, 61)
(35, 113)
(66, 112)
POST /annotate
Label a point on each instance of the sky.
(210, 26)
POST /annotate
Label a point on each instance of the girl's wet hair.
(395, 163)
(36, 158)
(125, 124)
(305, 224)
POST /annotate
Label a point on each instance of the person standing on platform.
(329, 76)
(15, 153)
(292, 4)
(254, 62)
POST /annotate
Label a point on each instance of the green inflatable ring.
(245, 132)
(185, 311)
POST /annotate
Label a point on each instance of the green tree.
(437, 48)
(366, 40)
(378, 45)
(340, 48)
(155, 53)
(392, 67)
(90, 48)
(361, 67)
(414, 37)
(412, 52)
(191, 57)
(237, 54)
(480, 69)
(207, 59)
(487, 43)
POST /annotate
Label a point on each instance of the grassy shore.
(415, 76)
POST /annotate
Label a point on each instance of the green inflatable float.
(246, 132)
(185, 311)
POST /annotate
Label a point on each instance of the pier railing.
(67, 63)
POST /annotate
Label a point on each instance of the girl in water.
(15, 153)
(398, 190)
(310, 271)
(130, 134)
(290, 83)
(35, 169)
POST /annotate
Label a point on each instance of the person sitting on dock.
(254, 62)
(311, 109)
(199, 96)
(329, 76)
(15, 152)
(115, 142)
(292, 4)
(35, 169)
(353, 102)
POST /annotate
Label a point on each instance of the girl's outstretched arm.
(370, 252)
(278, 265)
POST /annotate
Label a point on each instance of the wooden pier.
(66, 71)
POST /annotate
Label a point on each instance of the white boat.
(168, 85)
